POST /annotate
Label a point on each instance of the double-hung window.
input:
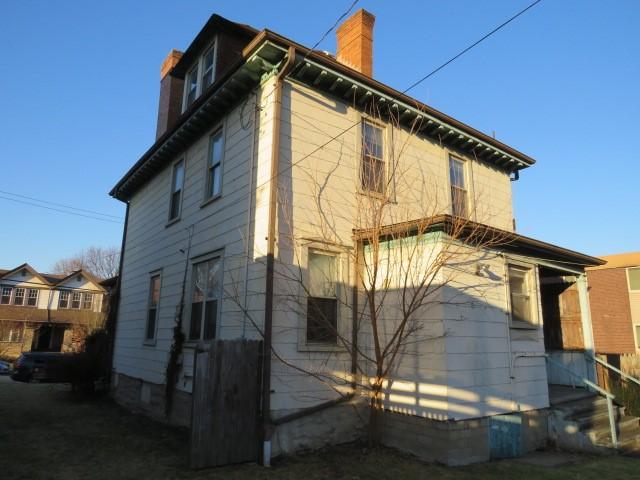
(18, 298)
(206, 295)
(520, 291)
(63, 299)
(214, 165)
(32, 298)
(372, 169)
(208, 75)
(177, 183)
(75, 299)
(11, 332)
(5, 296)
(191, 87)
(152, 309)
(87, 301)
(322, 299)
(458, 188)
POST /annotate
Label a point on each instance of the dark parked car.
(45, 367)
(5, 368)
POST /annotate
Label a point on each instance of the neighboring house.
(614, 293)
(263, 151)
(47, 312)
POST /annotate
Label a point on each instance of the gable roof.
(52, 279)
(264, 54)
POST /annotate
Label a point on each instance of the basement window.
(322, 300)
(520, 291)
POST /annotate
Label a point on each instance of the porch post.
(587, 330)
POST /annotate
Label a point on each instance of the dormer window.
(191, 86)
(207, 68)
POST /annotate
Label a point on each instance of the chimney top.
(355, 42)
(170, 62)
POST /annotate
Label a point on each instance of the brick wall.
(610, 311)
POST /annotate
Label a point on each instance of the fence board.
(225, 416)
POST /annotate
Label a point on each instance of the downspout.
(114, 304)
(267, 424)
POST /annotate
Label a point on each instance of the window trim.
(213, 48)
(186, 90)
(60, 292)
(183, 159)
(627, 269)
(360, 144)
(27, 297)
(465, 172)
(197, 260)
(342, 280)
(2, 289)
(533, 295)
(220, 129)
(15, 295)
(154, 339)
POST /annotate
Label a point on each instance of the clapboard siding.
(228, 225)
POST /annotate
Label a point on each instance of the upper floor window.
(32, 298)
(521, 293)
(75, 299)
(87, 301)
(373, 169)
(633, 274)
(177, 182)
(214, 165)
(206, 293)
(5, 296)
(208, 74)
(18, 298)
(191, 87)
(63, 299)
(458, 187)
(152, 309)
(322, 300)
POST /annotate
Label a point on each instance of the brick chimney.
(355, 42)
(170, 105)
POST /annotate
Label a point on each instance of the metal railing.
(626, 376)
(595, 388)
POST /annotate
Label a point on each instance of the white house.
(242, 219)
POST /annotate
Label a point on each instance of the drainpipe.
(267, 424)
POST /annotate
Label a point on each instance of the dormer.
(186, 77)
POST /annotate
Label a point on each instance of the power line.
(59, 210)
(60, 205)
(452, 59)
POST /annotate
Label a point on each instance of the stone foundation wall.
(456, 442)
(148, 398)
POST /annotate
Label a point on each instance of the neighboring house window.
(214, 165)
(191, 86)
(372, 170)
(458, 187)
(177, 182)
(322, 302)
(32, 299)
(206, 288)
(520, 290)
(5, 298)
(75, 299)
(10, 332)
(207, 68)
(633, 274)
(18, 298)
(87, 301)
(63, 301)
(152, 310)
(637, 328)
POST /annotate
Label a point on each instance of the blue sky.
(79, 90)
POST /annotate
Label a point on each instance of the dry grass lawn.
(48, 432)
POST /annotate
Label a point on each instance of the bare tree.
(99, 261)
(406, 253)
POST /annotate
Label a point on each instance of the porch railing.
(596, 389)
(624, 375)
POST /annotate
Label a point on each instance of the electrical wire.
(60, 205)
(60, 210)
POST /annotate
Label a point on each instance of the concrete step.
(628, 429)
(598, 418)
(583, 407)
